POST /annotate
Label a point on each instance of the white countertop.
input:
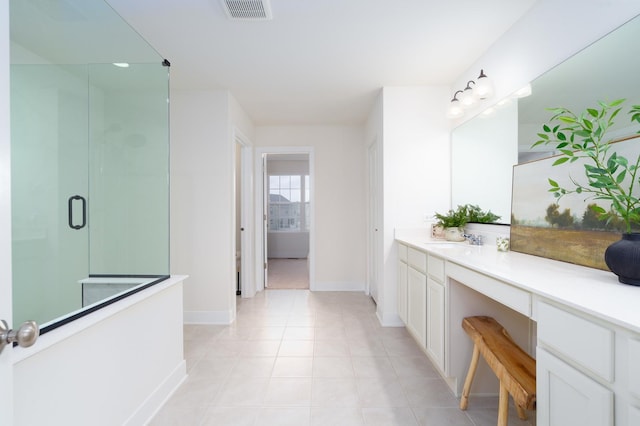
(590, 290)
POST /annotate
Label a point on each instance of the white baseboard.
(389, 320)
(337, 286)
(208, 317)
(154, 402)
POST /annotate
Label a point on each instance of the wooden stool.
(515, 369)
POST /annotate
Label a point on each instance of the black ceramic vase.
(623, 258)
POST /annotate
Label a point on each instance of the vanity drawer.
(513, 297)
(417, 260)
(580, 340)
(402, 252)
(435, 266)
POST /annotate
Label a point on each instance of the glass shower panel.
(49, 151)
(90, 160)
(129, 169)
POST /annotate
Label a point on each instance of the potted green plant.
(611, 177)
(453, 223)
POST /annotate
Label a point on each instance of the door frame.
(374, 225)
(6, 301)
(259, 209)
(247, 276)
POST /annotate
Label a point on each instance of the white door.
(403, 276)
(417, 305)
(265, 219)
(435, 321)
(568, 397)
(6, 312)
(373, 219)
(246, 214)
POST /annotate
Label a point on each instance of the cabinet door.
(435, 322)
(565, 396)
(402, 291)
(417, 305)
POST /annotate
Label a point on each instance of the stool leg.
(464, 400)
(503, 406)
(521, 413)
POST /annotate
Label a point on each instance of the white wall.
(411, 126)
(202, 200)
(339, 208)
(548, 34)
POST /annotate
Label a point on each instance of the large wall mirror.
(606, 70)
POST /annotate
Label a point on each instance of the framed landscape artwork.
(565, 229)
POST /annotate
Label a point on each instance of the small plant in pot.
(611, 177)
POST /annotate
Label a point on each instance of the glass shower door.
(49, 128)
(90, 160)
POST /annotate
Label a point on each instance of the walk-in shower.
(89, 159)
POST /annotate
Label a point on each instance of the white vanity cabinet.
(565, 396)
(403, 271)
(587, 370)
(417, 295)
(435, 310)
(583, 324)
(421, 299)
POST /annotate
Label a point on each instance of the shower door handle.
(24, 336)
(84, 212)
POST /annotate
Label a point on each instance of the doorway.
(243, 224)
(287, 208)
(374, 222)
(284, 217)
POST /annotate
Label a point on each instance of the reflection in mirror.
(606, 70)
(484, 150)
(89, 160)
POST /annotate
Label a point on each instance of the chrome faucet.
(474, 240)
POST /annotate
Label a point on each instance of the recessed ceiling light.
(121, 64)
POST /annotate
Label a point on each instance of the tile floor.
(288, 274)
(299, 358)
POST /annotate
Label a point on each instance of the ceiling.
(323, 61)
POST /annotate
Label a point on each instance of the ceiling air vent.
(251, 10)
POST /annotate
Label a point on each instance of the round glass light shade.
(455, 109)
(467, 97)
(483, 88)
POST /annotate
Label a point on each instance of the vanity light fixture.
(480, 89)
(455, 107)
(121, 64)
(468, 96)
(484, 87)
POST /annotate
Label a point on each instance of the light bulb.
(467, 98)
(455, 109)
(484, 87)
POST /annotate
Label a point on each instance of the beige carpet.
(288, 274)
